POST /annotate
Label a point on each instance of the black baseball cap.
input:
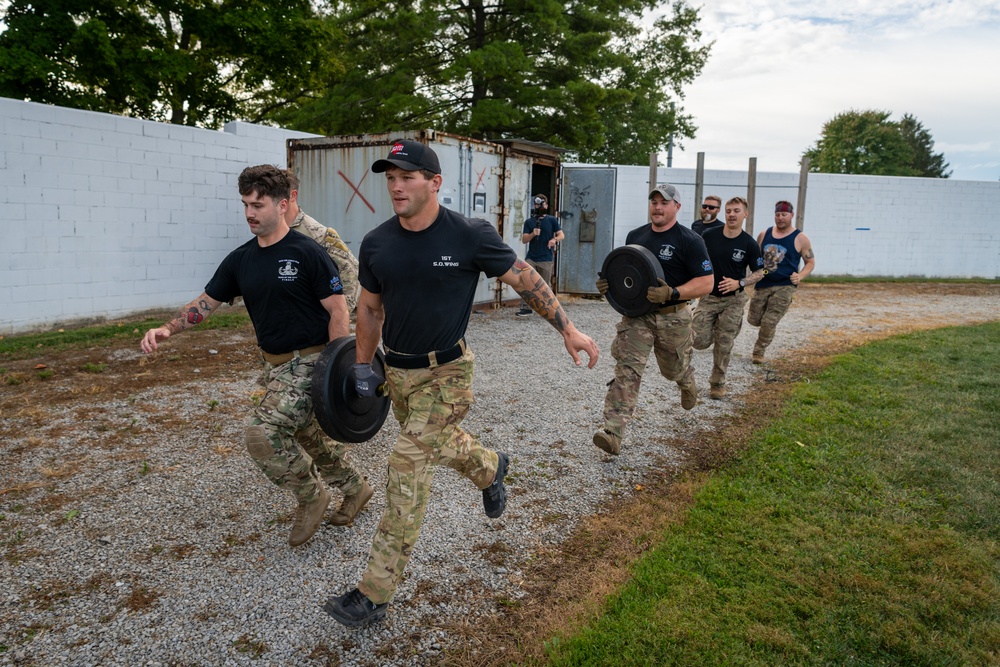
(409, 155)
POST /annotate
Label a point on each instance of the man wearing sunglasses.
(709, 216)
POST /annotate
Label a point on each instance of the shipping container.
(481, 179)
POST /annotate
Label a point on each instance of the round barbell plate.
(341, 413)
(631, 270)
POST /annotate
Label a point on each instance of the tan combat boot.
(351, 505)
(689, 396)
(609, 442)
(717, 391)
(308, 517)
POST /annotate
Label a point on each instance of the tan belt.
(278, 359)
(666, 310)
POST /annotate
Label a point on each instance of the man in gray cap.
(666, 330)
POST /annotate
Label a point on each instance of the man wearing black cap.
(784, 248)
(667, 330)
(418, 272)
(541, 232)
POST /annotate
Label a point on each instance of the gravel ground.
(169, 548)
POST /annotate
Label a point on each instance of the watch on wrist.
(675, 295)
(743, 283)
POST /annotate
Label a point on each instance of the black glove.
(602, 284)
(366, 380)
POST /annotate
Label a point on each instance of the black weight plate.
(631, 270)
(342, 414)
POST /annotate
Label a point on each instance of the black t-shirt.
(428, 279)
(699, 227)
(282, 286)
(731, 257)
(681, 252)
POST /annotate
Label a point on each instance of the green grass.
(26, 346)
(859, 529)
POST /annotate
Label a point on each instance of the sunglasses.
(710, 208)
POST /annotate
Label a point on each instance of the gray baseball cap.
(667, 191)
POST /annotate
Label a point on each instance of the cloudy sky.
(779, 69)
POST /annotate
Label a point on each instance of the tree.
(867, 142)
(191, 62)
(581, 74)
(925, 160)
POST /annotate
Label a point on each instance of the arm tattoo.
(192, 314)
(753, 278)
(539, 296)
(808, 253)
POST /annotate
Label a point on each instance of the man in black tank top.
(788, 259)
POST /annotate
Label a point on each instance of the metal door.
(587, 214)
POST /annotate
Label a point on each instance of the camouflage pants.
(285, 441)
(669, 338)
(429, 404)
(718, 320)
(767, 307)
(544, 270)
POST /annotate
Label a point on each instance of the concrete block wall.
(106, 216)
(858, 225)
(632, 189)
(894, 226)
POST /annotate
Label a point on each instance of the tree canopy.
(189, 62)
(587, 75)
(599, 78)
(868, 142)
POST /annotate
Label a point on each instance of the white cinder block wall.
(858, 225)
(107, 216)
(890, 226)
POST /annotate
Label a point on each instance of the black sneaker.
(495, 495)
(524, 312)
(353, 609)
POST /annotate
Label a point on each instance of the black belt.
(430, 360)
(730, 293)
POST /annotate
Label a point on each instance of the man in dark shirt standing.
(719, 315)
(295, 299)
(709, 216)
(419, 272)
(541, 232)
(667, 330)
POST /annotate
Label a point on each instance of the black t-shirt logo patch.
(288, 271)
(666, 251)
(446, 260)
